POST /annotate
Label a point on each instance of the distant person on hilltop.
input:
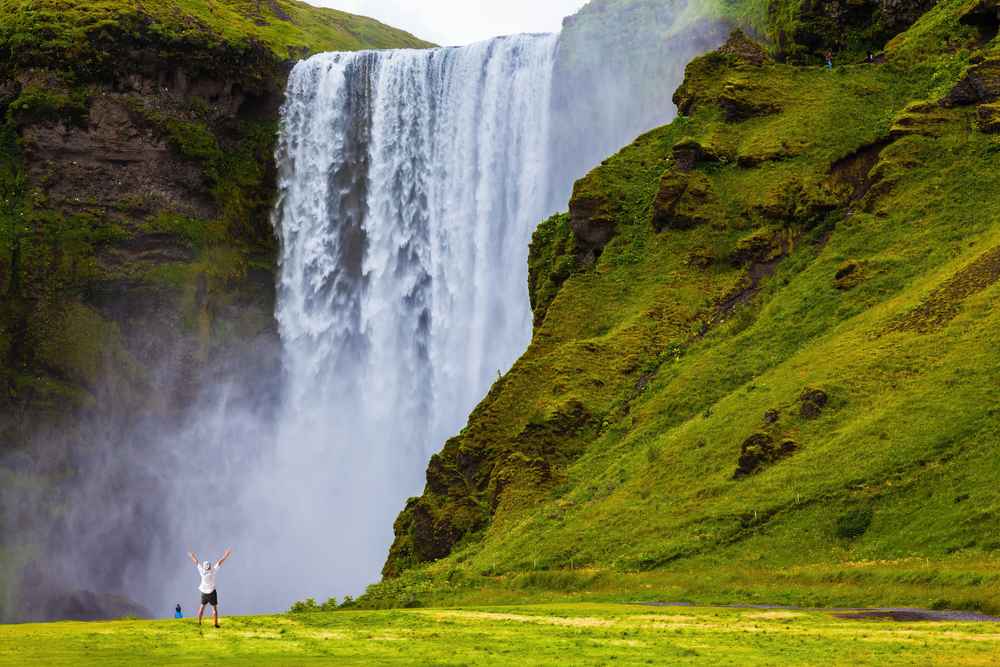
(177, 611)
(209, 595)
(829, 59)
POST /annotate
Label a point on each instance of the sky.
(455, 22)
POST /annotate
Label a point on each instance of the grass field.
(526, 635)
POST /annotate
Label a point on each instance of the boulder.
(759, 451)
(812, 402)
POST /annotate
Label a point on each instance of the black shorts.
(210, 598)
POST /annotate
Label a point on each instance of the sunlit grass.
(581, 634)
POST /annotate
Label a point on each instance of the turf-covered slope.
(766, 340)
(97, 30)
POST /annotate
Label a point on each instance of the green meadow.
(578, 634)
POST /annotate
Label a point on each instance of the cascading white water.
(410, 183)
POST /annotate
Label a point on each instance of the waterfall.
(410, 183)
(409, 186)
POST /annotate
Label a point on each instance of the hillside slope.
(765, 348)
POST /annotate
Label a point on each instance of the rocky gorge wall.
(136, 254)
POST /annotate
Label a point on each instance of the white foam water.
(410, 183)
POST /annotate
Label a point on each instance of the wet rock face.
(113, 162)
(984, 15)
(90, 606)
(820, 25)
(898, 15)
(592, 221)
(45, 597)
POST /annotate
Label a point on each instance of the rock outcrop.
(682, 201)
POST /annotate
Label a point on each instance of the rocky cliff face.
(805, 29)
(136, 254)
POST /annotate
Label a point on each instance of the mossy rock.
(921, 118)
(745, 50)
(849, 275)
(755, 155)
(740, 101)
(980, 83)
(812, 402)
(762, 246)
(984, 15)
(690, 152)
(795, 202)
(684, 200)
(761, 450)
(592, 214)
(988, 117)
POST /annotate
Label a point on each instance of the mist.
(410, 184)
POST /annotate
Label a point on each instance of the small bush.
(307, 606)
(854, 523)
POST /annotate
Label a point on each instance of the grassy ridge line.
(33, 32)
(540, 635)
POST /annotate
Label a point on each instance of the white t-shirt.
(208, 577)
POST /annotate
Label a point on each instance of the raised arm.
(194, 559)
(229, 552)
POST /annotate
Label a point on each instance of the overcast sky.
(451, 22)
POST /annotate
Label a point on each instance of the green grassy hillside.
(778, 379)
(539, 635)
(58, 30)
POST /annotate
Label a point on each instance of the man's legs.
(215, 614)
(201, 610)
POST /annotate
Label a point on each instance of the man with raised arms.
(209, 594)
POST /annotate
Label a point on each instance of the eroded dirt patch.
(915, 615)
(944, 303)
(569, 622)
